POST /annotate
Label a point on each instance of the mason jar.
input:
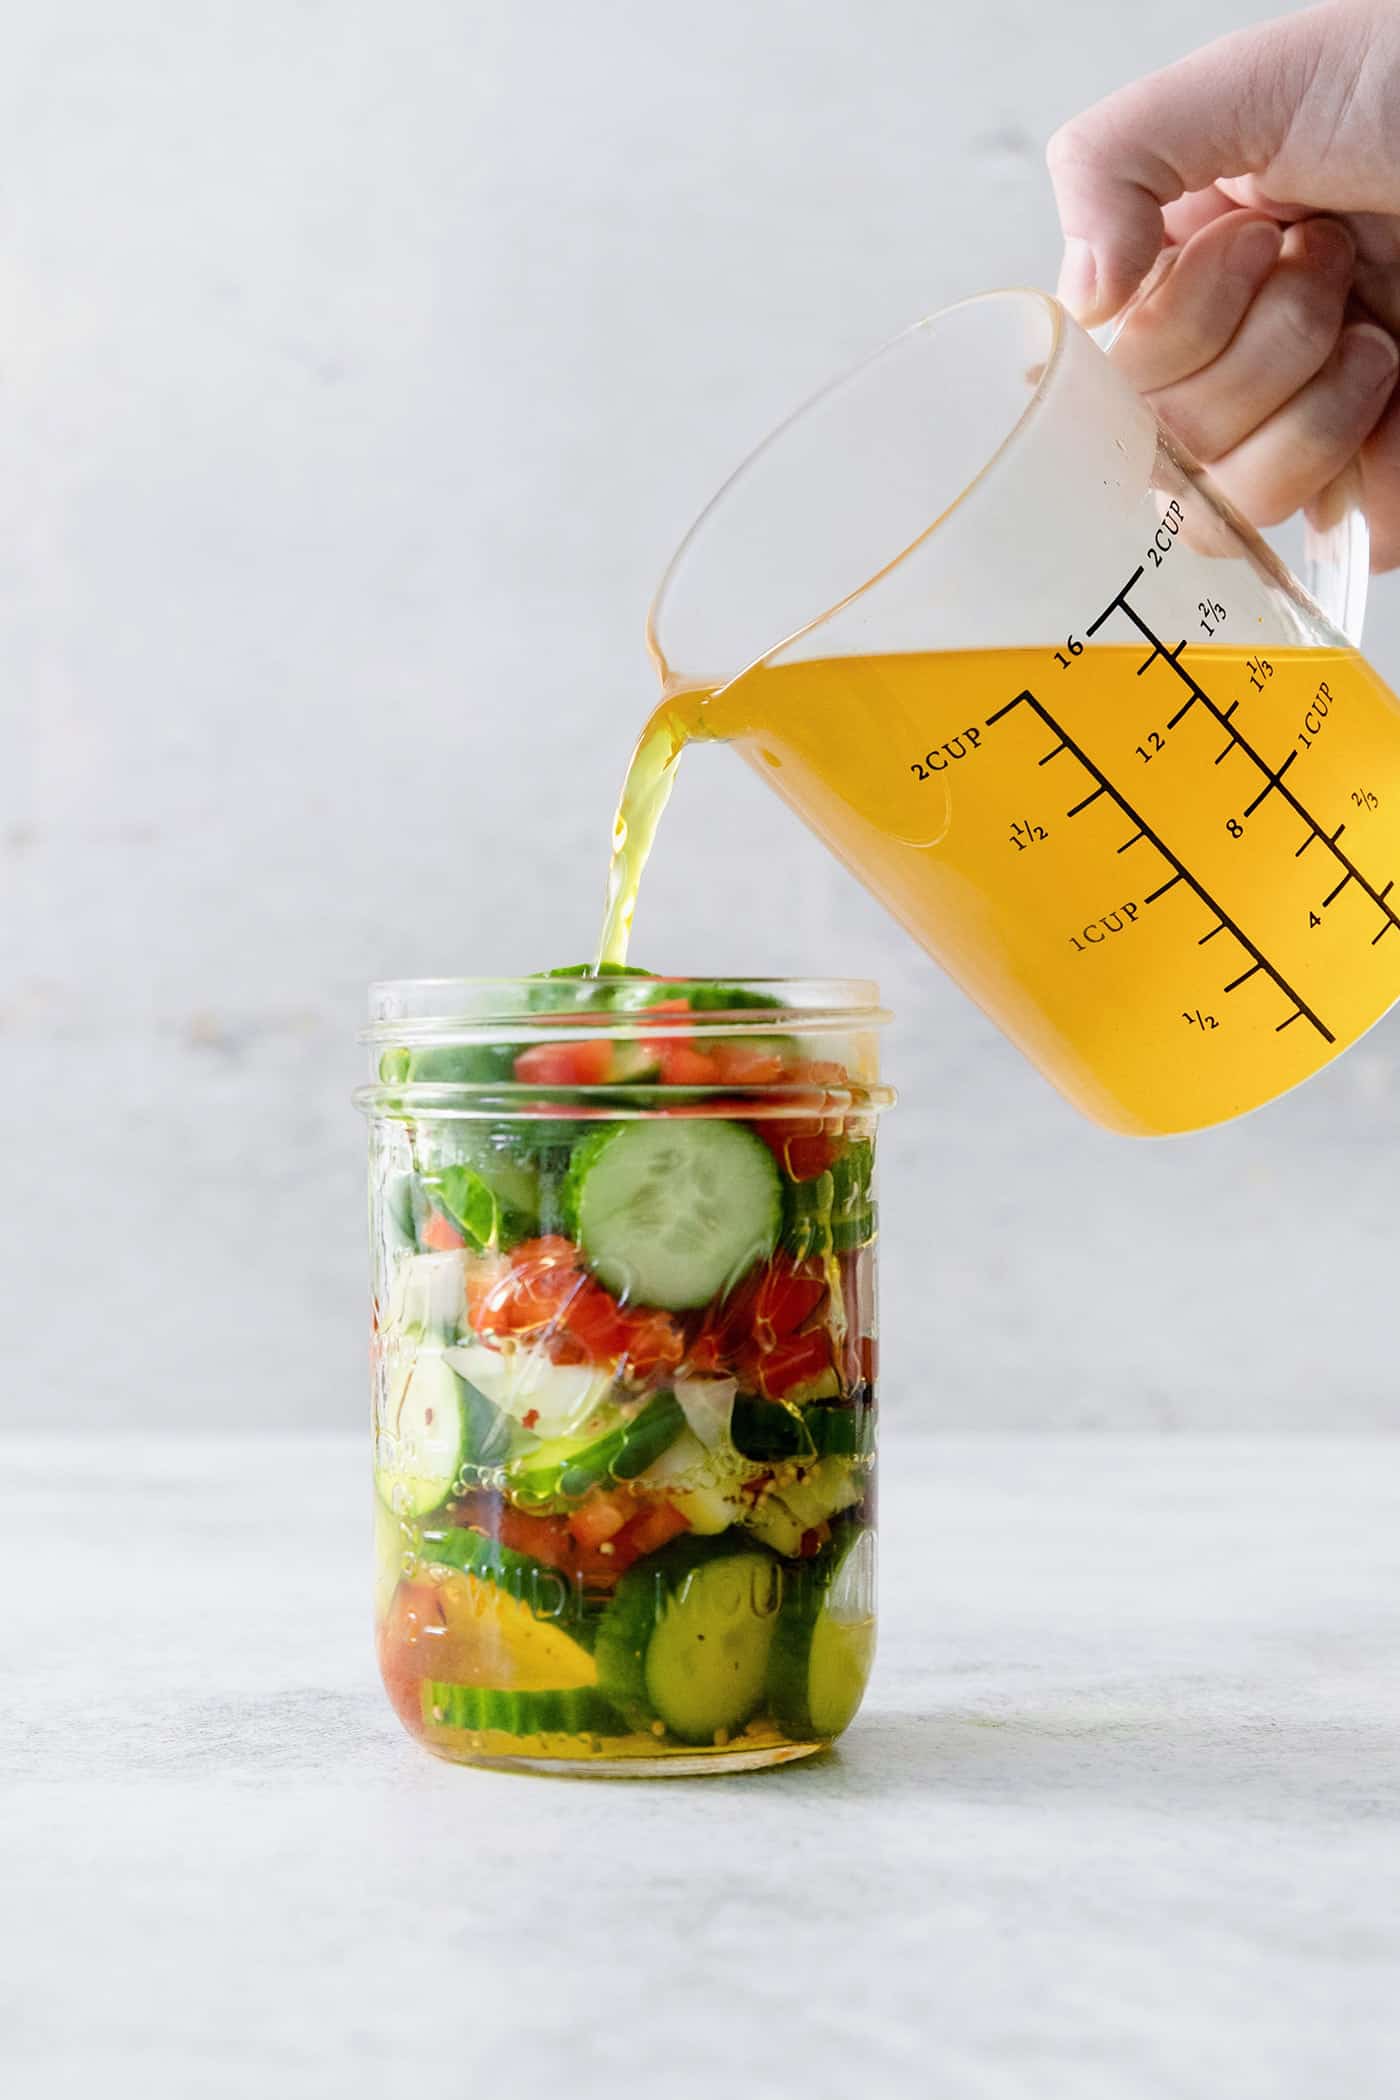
(623, 1350)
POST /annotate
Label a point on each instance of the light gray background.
(359, 366)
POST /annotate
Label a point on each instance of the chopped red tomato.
(601, 1517)
(547, 1539)
(745, 1064)
(779, 1370)
(658, 1523)
(806, 1146)
(763, 1316)
(440, 1234)
(411, 1643)
(788, 1294)
(541, 1291)
(587, 1063)
(683, 1066)
(804, 1150)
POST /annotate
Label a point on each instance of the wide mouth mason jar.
(623, 1353)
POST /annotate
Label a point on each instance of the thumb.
(1224, 111)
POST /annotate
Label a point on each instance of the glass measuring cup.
(996, 638)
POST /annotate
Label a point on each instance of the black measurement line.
(1171, 885)
(1182, 712)
(1106, 787)
(1113, 606)
(1225, 753)
(1269, 785)
(1388, 888)
(1049, 754)
(1383, 932)
(1301, 850)
(1334, 894)
(1252, 971)
(1211, 935)
(1132, 841)
(1289, 1022)
(1087, 799)
(1354, 873)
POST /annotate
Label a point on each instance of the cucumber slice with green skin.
(547, 1593)
(558, 1399)
(438, 1430)
(406, 1210)
(447, 1064)
(783, 1515)
(482, 1710)
(824, 1642)
(673, 1213)
(564, 1469)
(731, 998)
(686, 1639)
(770, 1431)
(833, 1213)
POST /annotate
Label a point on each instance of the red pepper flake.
(529, 1420)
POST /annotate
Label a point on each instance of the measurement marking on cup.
(1274, 778)
(1104, 786)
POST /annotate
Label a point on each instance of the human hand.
(1264, 334)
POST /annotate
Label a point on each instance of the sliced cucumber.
(557, 1398)
(825, 1640)
(436, 1430)
(685, 1641)
(546, 1592)
(773, 1430)
(833, 1212)
(406, 1209)
(447, 1064)
(563, 1469)
(484, 1710)
(783, 1515)
(673, 1213)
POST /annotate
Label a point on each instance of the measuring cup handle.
(1337, 553)
(1336, 537)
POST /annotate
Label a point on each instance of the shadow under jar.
(623, 1357)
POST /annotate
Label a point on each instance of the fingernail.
(1370, 358)
(1327, 245)
(1253, 251)
(1079, 278)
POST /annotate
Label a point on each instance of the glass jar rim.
(421, 1013)
(425, 1010)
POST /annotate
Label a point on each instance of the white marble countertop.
(1120, 1818)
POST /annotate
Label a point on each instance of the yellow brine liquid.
(1171, 882)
